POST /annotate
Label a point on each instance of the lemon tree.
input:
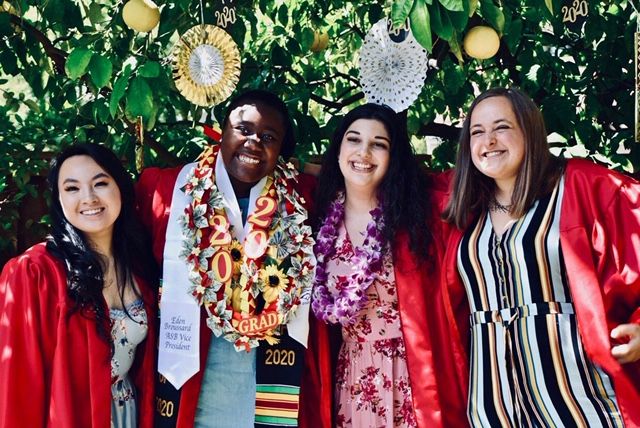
(75, 71)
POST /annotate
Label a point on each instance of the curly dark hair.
(403, 190)
(84, 266)
(273, 101)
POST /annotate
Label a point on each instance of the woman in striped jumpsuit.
(547, 254)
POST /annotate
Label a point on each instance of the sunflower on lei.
(275, 261)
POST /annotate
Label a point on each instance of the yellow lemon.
(320, 41)
(481, 42)
(141, 15)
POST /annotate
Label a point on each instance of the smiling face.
(497, 141)
(251, 143)
(89, 196)
(364, 155)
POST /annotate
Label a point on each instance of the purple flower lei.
(341, 305)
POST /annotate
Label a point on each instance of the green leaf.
(100, 69)
(95, 13)
(473, 6)
(456, 48)
(72, 16)
(119, 89)
(400, 10)
(306, 39)
(81, 135)
(149, 69)
(293, 46)
(77, 62)
(459, 20)
(280, 57)
(493, 15)
(101, 112)
(5, 27)
(440, 23)
(453, 5)
(139, 98)
(421, 24)
(9, 62)
(513, 34)
(53, 10)
(283, 15)
(32, 105)
(549, 4)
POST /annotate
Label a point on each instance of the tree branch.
(447, 132)
(163, 154)
(59, 58)
(337, 105)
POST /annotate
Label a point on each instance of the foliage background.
(72, 71)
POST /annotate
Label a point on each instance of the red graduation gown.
(54, 369)
(600, 240)
(438, 400)
(154, 193)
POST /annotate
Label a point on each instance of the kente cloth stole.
(278, 377)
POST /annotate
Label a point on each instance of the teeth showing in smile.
(360, 166)
(493, 154)
(249, 160)
(93, 211)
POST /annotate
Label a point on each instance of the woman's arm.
(622, 269)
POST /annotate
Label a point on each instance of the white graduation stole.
(179, 342)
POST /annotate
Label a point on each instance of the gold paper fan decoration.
(206, 65)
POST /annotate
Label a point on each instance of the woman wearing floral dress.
(372, 217)
(77, 318)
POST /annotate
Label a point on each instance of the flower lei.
(341, 303)
(275, 260)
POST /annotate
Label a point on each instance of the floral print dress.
(372, 380)
(126, 334)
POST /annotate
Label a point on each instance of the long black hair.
(84, 266)
(403, 190)
(271, 100)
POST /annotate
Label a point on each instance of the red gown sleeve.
(154, 192)
(618, 237)
(29, 311)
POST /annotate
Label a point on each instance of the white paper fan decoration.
(391, 73)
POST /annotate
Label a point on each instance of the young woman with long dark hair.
(77, 323)
(374, 244)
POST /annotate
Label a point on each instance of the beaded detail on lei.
(275, 260)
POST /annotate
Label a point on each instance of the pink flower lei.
(341, 304)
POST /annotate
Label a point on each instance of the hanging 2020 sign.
(225, 13)
(574, 14)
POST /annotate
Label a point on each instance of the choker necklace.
(496, 206)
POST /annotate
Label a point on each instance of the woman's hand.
(628, 352)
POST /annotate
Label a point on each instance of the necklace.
(341, 304)
(274, 261)
(496, 206)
